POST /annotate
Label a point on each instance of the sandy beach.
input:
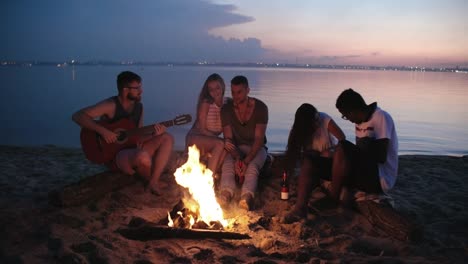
(431, 191)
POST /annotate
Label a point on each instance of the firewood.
(90, 188)
(146, 231)
(389, 220)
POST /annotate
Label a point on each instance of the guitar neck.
(149, 128)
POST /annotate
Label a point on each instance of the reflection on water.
(428, 107)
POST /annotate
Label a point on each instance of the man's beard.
(134, 98)
(241, 101)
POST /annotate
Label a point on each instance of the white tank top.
(323, 141)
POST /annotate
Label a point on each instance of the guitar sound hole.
(122, 136)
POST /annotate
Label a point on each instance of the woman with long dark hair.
(313, 140)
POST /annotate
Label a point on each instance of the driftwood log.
(145, 231)
(89, 189)
(389, 220)
(96, 186)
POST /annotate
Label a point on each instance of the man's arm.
(229, 144)
(259, 140)
(86, 118)
(382, 126)
(261, 119)
(379, 148)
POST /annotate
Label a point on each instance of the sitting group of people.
(231, 131)
(242, 120)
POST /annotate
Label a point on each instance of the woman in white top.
(207, 127)
(315, 136)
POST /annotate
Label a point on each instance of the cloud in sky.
(402, 31)
(149, 30)
(429, 32)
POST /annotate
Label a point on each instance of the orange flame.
(194, 176)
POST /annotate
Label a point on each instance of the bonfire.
(200, 206)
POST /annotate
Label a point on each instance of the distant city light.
(73, 62)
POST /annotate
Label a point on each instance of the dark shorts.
(364, 169)
(322, 164)
(112, 166)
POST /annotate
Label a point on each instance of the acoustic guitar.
(98, 151)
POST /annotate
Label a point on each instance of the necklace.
(242, 115)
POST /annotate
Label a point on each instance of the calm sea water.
(429, 108)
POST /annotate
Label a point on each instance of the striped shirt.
(213, 119)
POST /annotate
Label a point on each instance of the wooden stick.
(149, 231)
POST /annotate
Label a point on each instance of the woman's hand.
(229, 146)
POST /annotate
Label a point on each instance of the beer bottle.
(284, 187)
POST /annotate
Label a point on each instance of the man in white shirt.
(373, 161)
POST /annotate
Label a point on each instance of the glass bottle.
(284, 187)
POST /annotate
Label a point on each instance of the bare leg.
(340, 172)
(308, 178)
(209, 144)
(217, 156)
(160, 149)
(130, 161)
(142, 163)
(221, 160)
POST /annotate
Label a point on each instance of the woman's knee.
(345, 149)
(218, 146)
(343, 155)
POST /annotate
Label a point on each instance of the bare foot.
(294, 216)
(246, 202)
(224, 198)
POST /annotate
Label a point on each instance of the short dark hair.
(125, 78)
(239, 79)
(350, 100)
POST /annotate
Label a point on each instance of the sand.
(431, 191)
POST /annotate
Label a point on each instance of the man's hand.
(109, 136)
(159, 129)
(240, 168)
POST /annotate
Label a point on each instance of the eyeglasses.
(346, 115)
(133, 87)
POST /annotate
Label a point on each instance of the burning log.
(199, 183)
(142, 230)
(181, 216)
(90, 188)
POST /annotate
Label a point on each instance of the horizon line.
(60, 63)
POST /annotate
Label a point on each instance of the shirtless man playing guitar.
(149, 153)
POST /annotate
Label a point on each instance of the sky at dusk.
(411, 32)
